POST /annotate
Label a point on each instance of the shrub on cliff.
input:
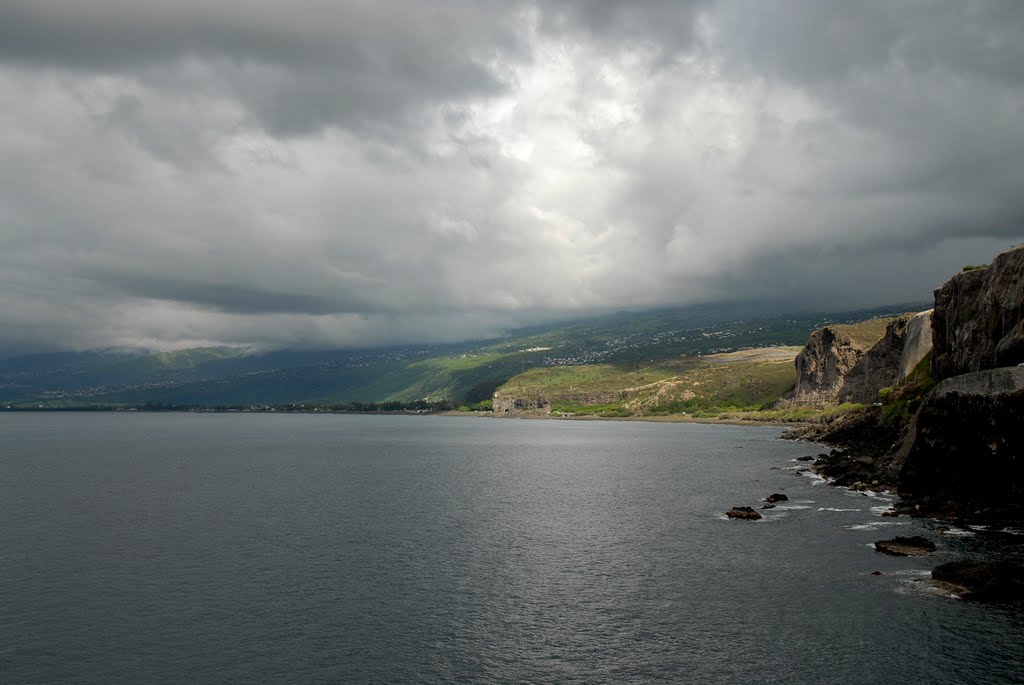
(900, 404)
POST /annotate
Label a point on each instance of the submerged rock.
(767, 505)
(991, 581)
(807, 458)
(743, 513)
(915, 546)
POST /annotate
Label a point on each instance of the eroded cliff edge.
(844, 363)
(951, 442)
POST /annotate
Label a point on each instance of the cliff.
(966, 442)
(836, 367)
(958, 425)
(979, 318)
(823, 365)
(505, 404)
(917, 344)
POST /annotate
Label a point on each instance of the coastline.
(666, 418)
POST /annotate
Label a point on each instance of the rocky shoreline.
(862, 456)
(993, 579)
(946, 433)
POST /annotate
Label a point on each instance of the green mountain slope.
(705, 385)
(464, 372)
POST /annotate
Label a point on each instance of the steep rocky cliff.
(918, 342)
(836, 367)
(878, 367)
(823, 365)
(979, 318)
(960, 450)
(967, 441)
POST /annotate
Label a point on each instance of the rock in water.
(743, 513)
(993, 581)
(776, 497)
(915, 546)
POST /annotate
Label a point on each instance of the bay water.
(269, 548)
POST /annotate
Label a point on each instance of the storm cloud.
(357, 173)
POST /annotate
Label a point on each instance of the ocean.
(287, 548)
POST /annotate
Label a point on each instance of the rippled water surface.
(160, 548)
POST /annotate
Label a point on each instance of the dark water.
(175, 548)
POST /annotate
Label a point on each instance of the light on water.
(164, 548)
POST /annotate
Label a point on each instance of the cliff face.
(918, 342)
(505, 404)
(967, 441)
(962, 451)
(834, 368)
(878, 367)
(823, 364)
(979, 318)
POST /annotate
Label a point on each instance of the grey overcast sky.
(349, 172)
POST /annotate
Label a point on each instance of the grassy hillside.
(465, 372)
(864, 334)
(700, 386)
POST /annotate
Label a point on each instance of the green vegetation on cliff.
(899, 404)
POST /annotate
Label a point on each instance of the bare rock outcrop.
(914, 546)
(743, 514)
(978, 321)
(835, 367)
(966, 442)
(506, 404)
(824, 364)
(918, 342)
(993, 581)
(878, 367)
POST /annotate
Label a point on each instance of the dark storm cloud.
(664, 24)
(298, 66)
(352, 172)
(824, 42)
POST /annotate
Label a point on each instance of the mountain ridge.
(458, 372)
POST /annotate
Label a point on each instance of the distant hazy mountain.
(465, 372)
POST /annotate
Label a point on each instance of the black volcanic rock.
(776, 497)
(743, 513)
(978, 322)
(966, 443)
(915, 546)
(993, 581)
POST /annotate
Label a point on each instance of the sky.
(326, 173)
